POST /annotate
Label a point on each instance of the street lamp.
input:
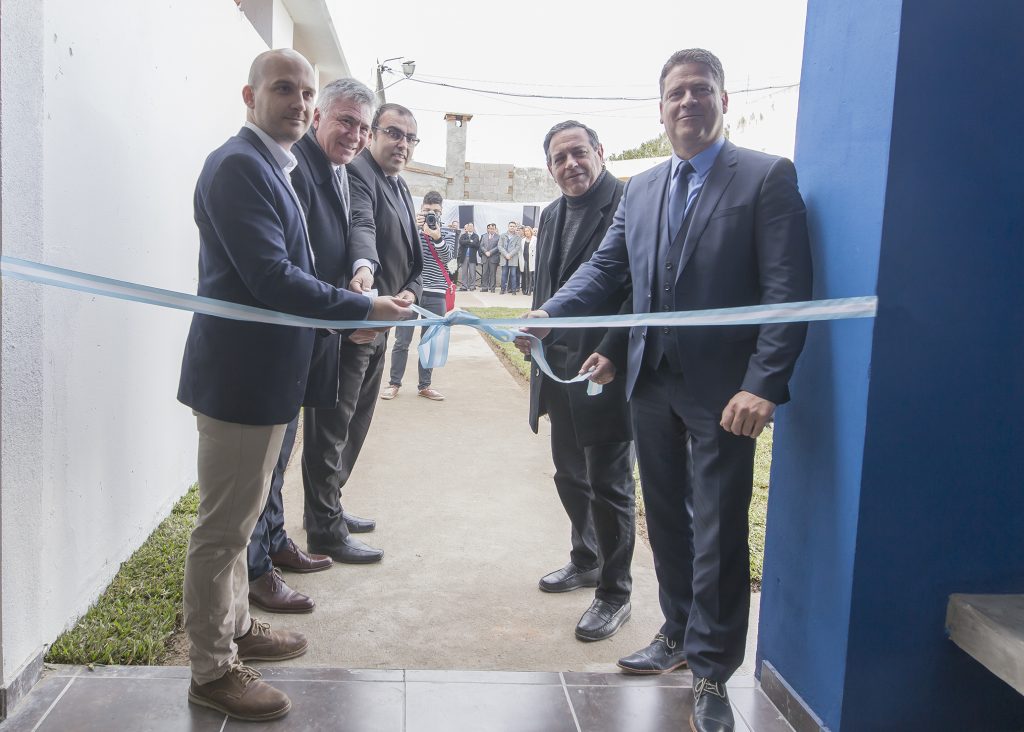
(408, 68)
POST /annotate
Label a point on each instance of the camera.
(431, 219)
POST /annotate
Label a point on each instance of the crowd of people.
(305, 211)
(497, 262)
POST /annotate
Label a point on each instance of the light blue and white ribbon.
(433, 348)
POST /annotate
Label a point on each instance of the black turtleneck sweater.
(577, 210)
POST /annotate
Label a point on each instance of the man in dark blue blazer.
(333, 437)
(717, 226)
(245, 381)
(341, 234)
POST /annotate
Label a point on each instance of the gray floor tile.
(434, 707)
(31, 709)
(102, 704)
(289, 673)
(633, 708)
(674, 679)
(758, 712)
(330, 706)
(484, 677)
(135, 672)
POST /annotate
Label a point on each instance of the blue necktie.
(677, 199)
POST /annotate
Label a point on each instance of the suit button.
(668, 265)
(665, 331)
(668, 288)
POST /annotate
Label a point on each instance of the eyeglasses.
(396, 134)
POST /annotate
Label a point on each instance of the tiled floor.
(133, 699)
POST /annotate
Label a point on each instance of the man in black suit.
(716, 226)
(341, 235)
(245, 381)
(333, 437)
(590, 435)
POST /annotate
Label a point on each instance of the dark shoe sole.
(652, 671)
(210, 704)
(301, 570)
(360, 528)
(599, 637)
(283, 657)
(270, 609)
(347, 560)
(561, 588)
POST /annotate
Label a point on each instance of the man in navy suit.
(245, 381)
(333, 437)
(341, 234)
(716, 226)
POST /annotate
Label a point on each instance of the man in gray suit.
(716, 226)
(489, 255)
(334, 437)
(509, 246)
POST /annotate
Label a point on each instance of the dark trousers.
(269, 536)
(435, 303)
(595, 485)
(332, 438)
(526, 280)
(697, 481)
(490, 276)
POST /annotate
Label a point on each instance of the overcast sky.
(577, 49)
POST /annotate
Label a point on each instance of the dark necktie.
(393, 180)
(677, 199)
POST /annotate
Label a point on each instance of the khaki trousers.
(235, 465)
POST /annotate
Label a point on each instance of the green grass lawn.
(136, 615)
(762, 458)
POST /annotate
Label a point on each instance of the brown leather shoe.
(239, 693)
(263, 644)
(270, 593)
(295, 560)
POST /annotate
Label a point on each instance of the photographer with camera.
(438, 245)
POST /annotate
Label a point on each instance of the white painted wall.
(108, 111)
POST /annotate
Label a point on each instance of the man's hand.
(362, 280)
(390, 308)
(746, 414)
(603, 369)
(537, 330)
(407, 296)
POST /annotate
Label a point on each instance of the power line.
(524, 95)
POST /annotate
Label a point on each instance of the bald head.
(280, 95)
(259, 64)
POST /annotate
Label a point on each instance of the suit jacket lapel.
(257, 143)
(718, 180)
(553, 249)
(656, 188)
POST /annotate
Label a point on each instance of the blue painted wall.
(846, 97)
(898, 468)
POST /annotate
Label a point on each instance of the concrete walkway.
(469, 520)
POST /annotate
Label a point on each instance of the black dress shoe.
(348, 551)
(357, 525)
(569, 577)
(602, 620)
(711, 709)
(660, 657)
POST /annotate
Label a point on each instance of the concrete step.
(991, 629)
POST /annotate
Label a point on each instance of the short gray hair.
(569, 124)
(346, 88)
